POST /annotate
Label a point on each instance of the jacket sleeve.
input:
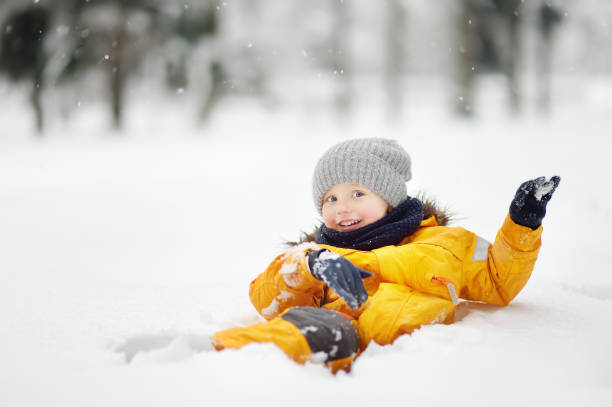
(496, 273)
(480, 271)
(287, 282)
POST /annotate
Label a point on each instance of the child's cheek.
(369, 215)
(372, 213)
(328, 219)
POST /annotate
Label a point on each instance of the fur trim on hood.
(430, 208)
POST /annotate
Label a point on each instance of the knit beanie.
(380, 165)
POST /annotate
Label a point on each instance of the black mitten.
(340, 275)
(529, 204)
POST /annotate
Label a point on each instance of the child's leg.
(396, 309)
(303, 333)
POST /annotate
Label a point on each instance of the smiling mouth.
(348, 223)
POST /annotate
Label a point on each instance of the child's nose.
(343, 207)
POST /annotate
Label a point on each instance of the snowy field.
(121, 253)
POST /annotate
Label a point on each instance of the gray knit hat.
(379, 164)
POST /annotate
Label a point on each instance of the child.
(382, 263)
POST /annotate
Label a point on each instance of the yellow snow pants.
(312, 336)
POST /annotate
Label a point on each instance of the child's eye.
(357, 194)
(331, 198)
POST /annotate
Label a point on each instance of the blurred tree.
(549, 18)
(190, 21)
(214, 92)
(255, 75)
(22, 54)
(467, 50)
(510, 18)
(113, 35)
(395, 39)
(489, 41)
(339, 53)
(116, 35)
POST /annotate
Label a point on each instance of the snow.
(288, 268)
(122, 253)
(285, 295)
(271, 309)
(337, 334)
(327, 255)
(320, 266)
(307, 329)
(543, 189)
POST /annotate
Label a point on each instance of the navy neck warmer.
(402, 221)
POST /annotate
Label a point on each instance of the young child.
(383, 264)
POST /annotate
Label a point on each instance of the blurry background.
(155, 154)
(160, 131)
(145, 135)
(65, 59)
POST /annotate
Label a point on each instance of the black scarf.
(402, 221)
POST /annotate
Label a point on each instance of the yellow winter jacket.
(430, 262)
(415, 283)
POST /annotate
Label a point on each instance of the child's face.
(348, 207)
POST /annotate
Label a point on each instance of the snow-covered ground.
(121, 253)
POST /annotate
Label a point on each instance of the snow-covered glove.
(340, 275)
(529, 204)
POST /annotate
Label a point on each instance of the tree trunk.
(117, 67)
(117, 95)
(214, 91)
(395, 33)
(544, 73)
(35, 98)
(511, 11)
(36, 95)
(339, 47)
(464, 98)
(548, 18)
